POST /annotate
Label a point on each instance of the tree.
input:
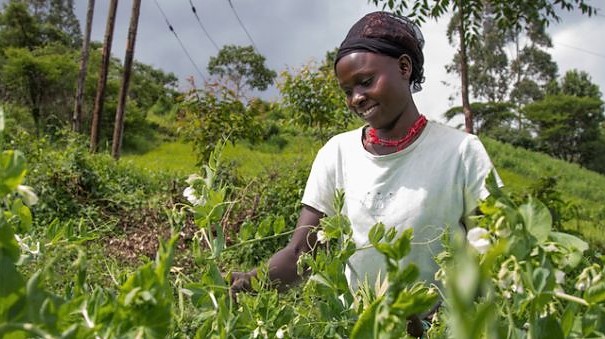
(209, 118)
(18, 28)
(314, 98)
(566, 125)
(507, 16)
(119, 121)
(241, 68)
(568, 122)
(100, 97)
(533, 67)
(77, 116)
(487, 61)
(41, 80)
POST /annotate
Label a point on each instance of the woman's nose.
(358, 99)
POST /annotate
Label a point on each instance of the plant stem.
(571, 298)
(234, 246)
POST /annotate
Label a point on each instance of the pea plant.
(519, 278)
(513, 276)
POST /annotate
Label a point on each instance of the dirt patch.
(140, 234)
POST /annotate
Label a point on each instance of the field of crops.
(94, 248)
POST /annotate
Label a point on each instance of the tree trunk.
(466, 106)
(76, 120)
(119, 121)
(96, 116)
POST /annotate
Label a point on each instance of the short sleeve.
(477, 166)
(321, 187)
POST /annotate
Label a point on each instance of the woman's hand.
(240, 282)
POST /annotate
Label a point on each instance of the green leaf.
(376, 233)
(264, 228)
(246, 231)
(595, 294)
(568, 318)
(575, 245)
(537, 219)
(540, 279)
(12, 289)
(279, 224)
(365, 327)
(12, 171)
(548, 327)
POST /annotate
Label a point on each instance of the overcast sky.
(290, 33)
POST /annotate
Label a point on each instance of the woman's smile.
(367, 113)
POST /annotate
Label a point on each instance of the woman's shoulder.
(346, 139)
(446, 133)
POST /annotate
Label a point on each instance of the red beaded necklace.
(403, 142)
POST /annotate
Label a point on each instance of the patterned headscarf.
(388, 34)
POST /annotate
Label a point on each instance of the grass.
(250, 160)
(174, 156)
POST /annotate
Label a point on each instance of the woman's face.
(376, 86)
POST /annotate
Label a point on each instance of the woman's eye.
(367, 82)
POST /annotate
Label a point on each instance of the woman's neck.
(401, 125)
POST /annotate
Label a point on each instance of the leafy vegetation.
(91, 247)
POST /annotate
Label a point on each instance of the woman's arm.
(283, 264)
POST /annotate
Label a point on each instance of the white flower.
(192, 197)
(559, 277)
(550, 248)
(1, 119)
(279, 334)
(580, 286)
(478, 238)
(27, 193)
(256, 332)
(321, 237)
(25, 247)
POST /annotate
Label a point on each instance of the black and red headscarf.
(388, 34)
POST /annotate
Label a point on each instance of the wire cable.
(180, 42)
(242, 25)
(202, 26)
(579, 49)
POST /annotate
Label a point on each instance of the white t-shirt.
(434, 182)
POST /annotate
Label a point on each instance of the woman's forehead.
(362, 63)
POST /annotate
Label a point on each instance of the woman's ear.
(405, 65)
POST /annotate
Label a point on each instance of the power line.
(580, 49)
(180, 42)
(242, 25)
(202, 26)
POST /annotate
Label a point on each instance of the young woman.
(398, 169)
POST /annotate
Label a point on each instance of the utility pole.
(76, 120)
(119, 121)
(99, 99)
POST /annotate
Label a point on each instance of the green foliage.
(517, 280)
(522, 283)
(522, 170)
(41, 80)
(314, 99)
(507, 15)
(77, 185)
(210, 118)
(565, 124)
(242, 67)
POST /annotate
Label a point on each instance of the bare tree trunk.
(466, 106)
(96, 116)
(119, 121)
(76, 120)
